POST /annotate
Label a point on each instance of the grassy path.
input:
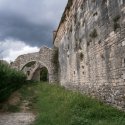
(53, 105)
(56, 106)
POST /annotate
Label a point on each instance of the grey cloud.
(19, 28)
(31, 21)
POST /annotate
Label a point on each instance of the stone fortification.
(91, 42)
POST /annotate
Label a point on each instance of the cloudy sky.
(26, 25)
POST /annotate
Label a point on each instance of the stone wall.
(91, 42)
(43, 58)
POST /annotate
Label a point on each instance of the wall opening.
(28, 65)
(44, 74)
(28, 73)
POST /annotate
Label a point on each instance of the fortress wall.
(91, 42)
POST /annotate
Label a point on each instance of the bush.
(10, 80)
(116, 22)
(93, 34)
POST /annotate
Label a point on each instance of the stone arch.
(37, 73)
(33, 61)
(43, 58)
(44, 75)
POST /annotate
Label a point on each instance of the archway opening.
(44, 74)
(29, 65)
(36, 71)
(28, 68)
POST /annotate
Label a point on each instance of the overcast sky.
(26, 25)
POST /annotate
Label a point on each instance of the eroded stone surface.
(91, 45)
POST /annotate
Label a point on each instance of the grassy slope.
(57, 106)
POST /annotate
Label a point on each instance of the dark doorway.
(28, 73)
(43, 74)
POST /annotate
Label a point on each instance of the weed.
(93, 34)
(55, 59)
(6, 107)
(116, 24)
(116, 19)
(13, 108)
(81, 56)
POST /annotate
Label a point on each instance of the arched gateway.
(32, 64)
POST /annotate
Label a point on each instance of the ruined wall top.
(73, 9)
(43, 55)
(65, 21)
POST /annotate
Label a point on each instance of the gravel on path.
(16, 118)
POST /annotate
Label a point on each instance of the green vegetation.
(10, 80)
(81, 56)
(44, 74)
(55, 59)
(116, 22)
(93, 34)
(56, 106)
(116, 18)
(6, 107)
(104, 2)
(116, 26)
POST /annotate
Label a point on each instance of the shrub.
(10, 80)
(116, 22)
(93, 34)
(116, 19)
(55, 59)
(81, 56)
(116, 26)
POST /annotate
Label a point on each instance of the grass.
(54, 59)
(56, 106)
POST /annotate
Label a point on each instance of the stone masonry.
(43, 58)
(91, 42)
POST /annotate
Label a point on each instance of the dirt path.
(23, 117)
(16, 118)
